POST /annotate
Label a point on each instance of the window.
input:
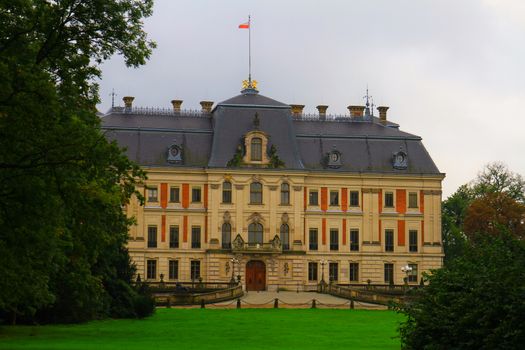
(196, 194)
(195, 269)
(354, 240)
(227, 192)
(285, 193)
(354, 198)
(313, 197)
(195, 237)
(354, 272)
(285, 237)
(389, 273)
(312, 271)
(412, 199)
(333, 271)
(152, 194)
(389, 199)
(389, 240)
(226, 236)
(334, 197)
(412, 275)
(174, 195)
(256, 148)
(151, 272)
(173, 273)
(334, 239)
(255, 193)
(255, 234)
(152, 236)
(313, 238)
(174, 236)
(412, 241)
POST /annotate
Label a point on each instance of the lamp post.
(406, 269)
(234, 261)
(323, 263)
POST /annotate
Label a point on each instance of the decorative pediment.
(285, 218)
(226, 217)
(256, 218)
(238, 242)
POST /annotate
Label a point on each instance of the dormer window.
(256, 146)
(256, 149)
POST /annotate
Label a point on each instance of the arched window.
(285, 237)
(226, 236)
(255, 193)
(285, 193)
(255, 234)
(256, 148)
(227, 192)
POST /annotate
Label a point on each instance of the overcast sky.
(451, 71)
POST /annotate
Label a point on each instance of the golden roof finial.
(249, 84)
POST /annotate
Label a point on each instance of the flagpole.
(249, 50)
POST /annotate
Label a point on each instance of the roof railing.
(160, 111)
(344, 118)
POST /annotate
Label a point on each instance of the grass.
(218, 329)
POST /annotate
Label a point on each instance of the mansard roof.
(210, 139)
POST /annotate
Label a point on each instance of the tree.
(493, 210)
(62, 184)
(495, 185)
(474, 302)
(453, 212)
(497, 178)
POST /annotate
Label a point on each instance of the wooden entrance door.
(255, 275)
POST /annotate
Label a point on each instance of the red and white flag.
(245, 25)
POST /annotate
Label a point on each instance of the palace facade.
(252, 187)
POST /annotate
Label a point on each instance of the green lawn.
(218, 329)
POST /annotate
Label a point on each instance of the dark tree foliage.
(62, 184)
(475, 302)
(488, 213)
(494, 186)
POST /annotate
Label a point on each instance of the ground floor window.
(152, 236)
(312, 271)
(412, 275)
(333, 271)
(354, 272)
(173, 270)
(285, 237)
(226, 236)
(255, 234)
(412, 241)
(151, 269)
(174, 236)
(334, 239)
(313, 239)
(195, 269)
(196, 237)
(389, 273)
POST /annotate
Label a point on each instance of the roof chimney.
(382, 114)
(206, 106)
(356, 111)
(128, 101)
(322, 111)
(297, 110)
(176, 105)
